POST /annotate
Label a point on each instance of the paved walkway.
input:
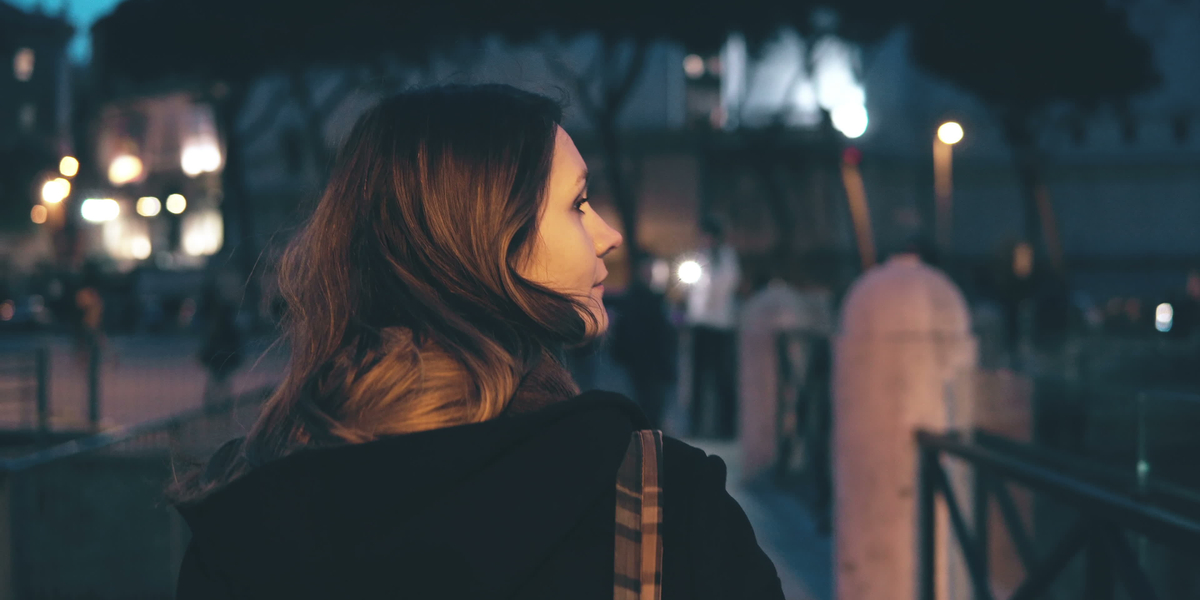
(782, 523)
(143, 378)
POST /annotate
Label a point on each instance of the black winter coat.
(518, 507)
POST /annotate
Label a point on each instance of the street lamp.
(948, 134)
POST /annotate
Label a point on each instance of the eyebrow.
(585, 178)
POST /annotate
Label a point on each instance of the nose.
(606, 238)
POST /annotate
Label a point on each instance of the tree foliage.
(1025, 58)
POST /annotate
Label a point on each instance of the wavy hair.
(405, 307)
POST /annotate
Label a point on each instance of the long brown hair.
(405, 308)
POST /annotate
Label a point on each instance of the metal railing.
(25, 387)
(1109, 506)
(803, 426)
(88, 518)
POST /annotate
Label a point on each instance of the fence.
(25, 388)
(87, 519)
(1128, 529)
(803, 425)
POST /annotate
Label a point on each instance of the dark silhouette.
(221, 352)
(643, 341)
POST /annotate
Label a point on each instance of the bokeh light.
(176, 204)
(689, 271)
(148, 206)
(950, 133)
(68, 166)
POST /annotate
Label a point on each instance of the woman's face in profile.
(568, 256)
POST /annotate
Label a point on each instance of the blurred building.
(158, 202)
(35, 108)
(757, 138)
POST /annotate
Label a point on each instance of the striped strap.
(638, 562)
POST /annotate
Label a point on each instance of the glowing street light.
(140, 247)
(99, 210)
(950, 133)
(124, 169)
(176, 204)
(200, 157)
(693, 65)
(38, 214)
(56, 190)
(148, 206)
(850, 119)
(689, 271)
(68, 166)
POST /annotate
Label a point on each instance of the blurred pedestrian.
(221, 352)
(91, 345)
(426, 440)
(711, 316)
(643, 341)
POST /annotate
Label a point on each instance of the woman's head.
(452, 252)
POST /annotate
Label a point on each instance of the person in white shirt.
(711, 314)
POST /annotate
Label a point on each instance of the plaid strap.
(638, 563)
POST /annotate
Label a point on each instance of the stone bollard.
(904, 341)
(776, 309)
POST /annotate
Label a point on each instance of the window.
(23, 64)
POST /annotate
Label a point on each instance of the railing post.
(926, 522)
(8, 538)
(979, 520)
(94, 385)
(42, 367)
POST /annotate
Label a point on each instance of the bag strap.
(638, 562)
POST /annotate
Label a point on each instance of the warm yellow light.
(140, 248)
(39, 214)
(202, 233)
(68, 166)
(124, 169)
(148, 206)
(200, 156)
(176, 203)
(23, 64)
(56, 190)
(950, 133)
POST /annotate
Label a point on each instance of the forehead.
(568, 163)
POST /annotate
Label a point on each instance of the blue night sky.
(81, 13)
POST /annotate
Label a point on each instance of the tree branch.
(348, 84)
(266, 119)
(560, 69)
(616, 97)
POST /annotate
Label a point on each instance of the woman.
(426, 441)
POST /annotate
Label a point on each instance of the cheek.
(563, 258)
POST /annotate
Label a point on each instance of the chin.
(600, 315)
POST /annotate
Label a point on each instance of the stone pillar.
(776, 309)
(903, 346)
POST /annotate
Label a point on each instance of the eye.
(580, 202)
